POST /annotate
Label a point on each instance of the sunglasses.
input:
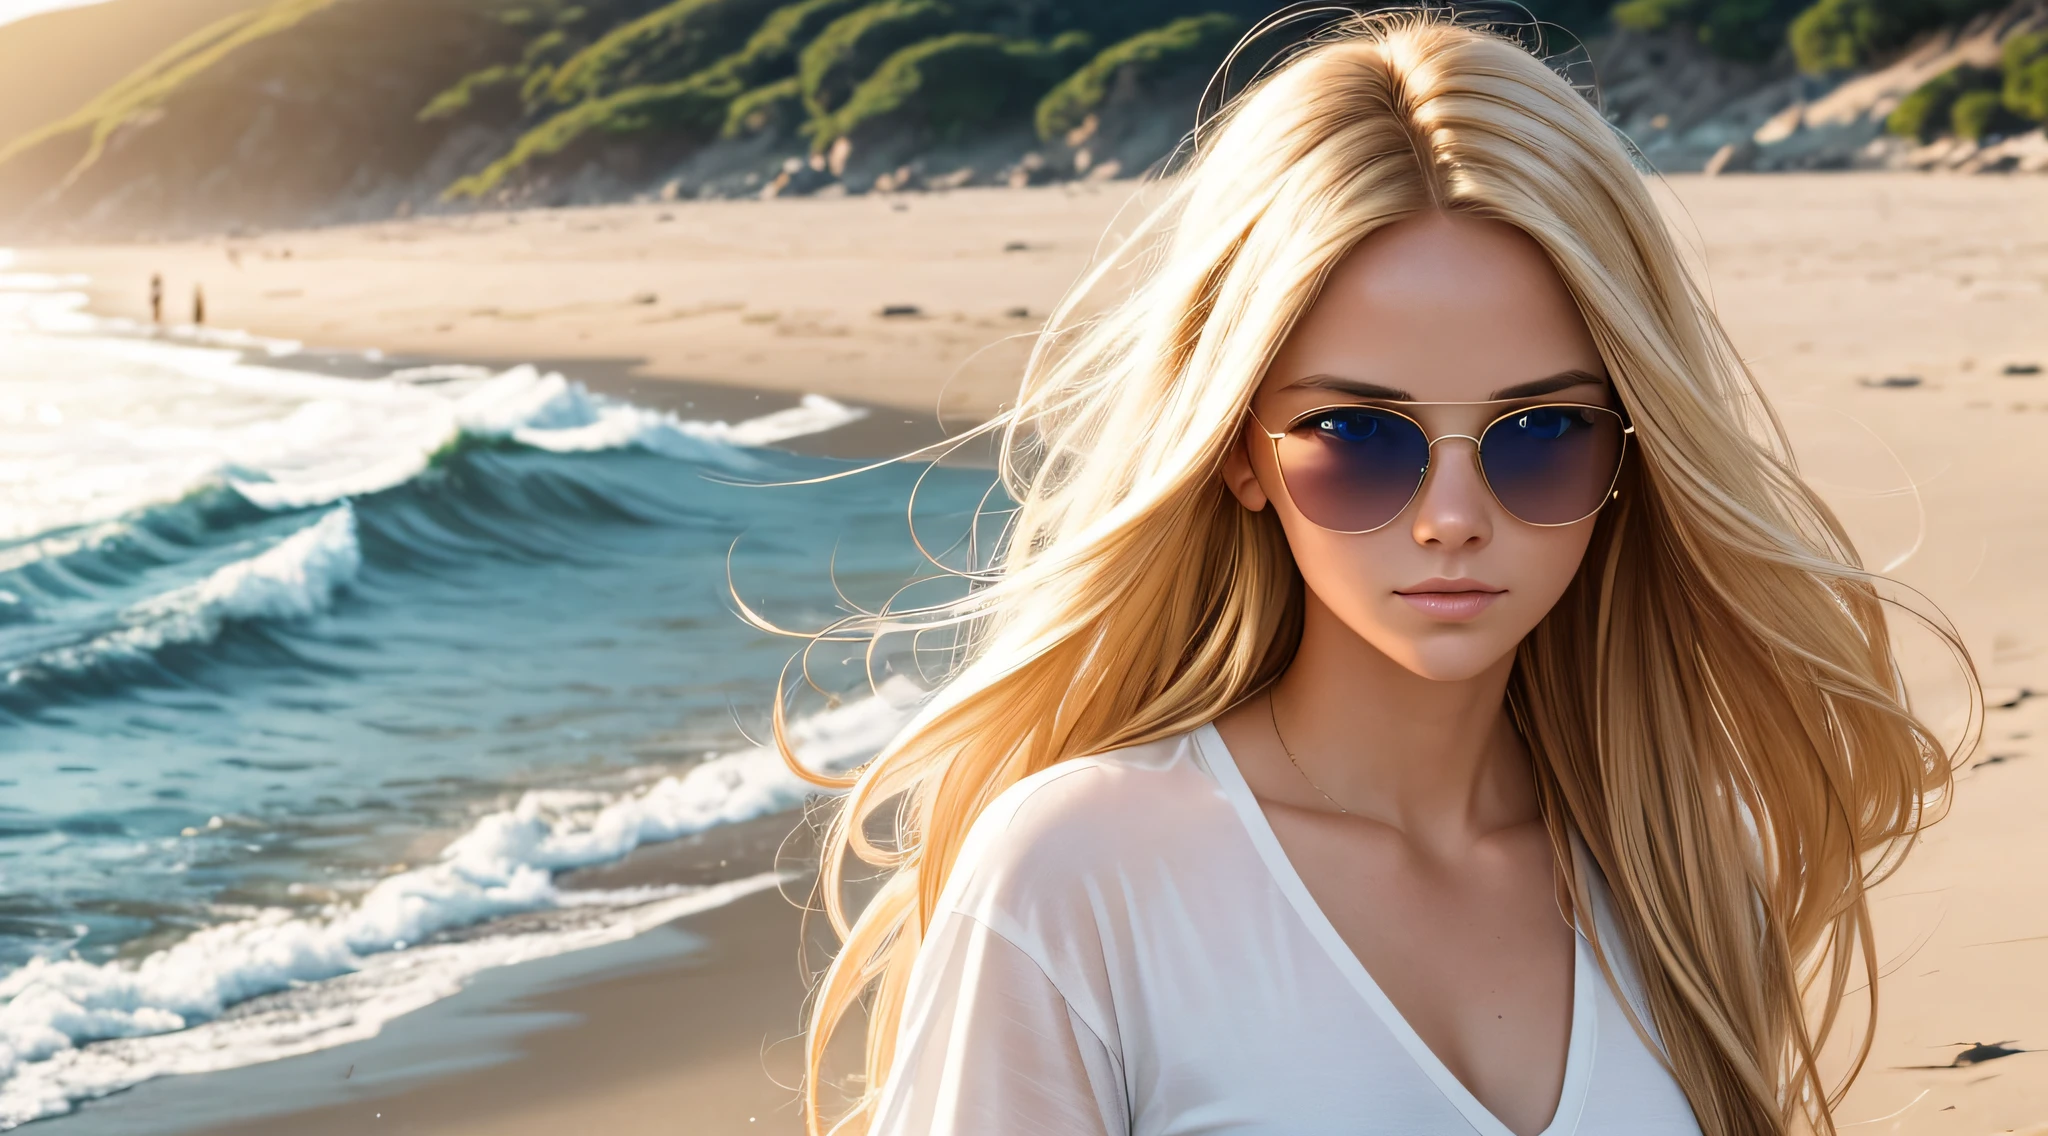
(1353, 468)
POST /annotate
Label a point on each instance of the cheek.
(1544, 562)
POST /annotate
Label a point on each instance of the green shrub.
(1838, 35)
(1651, 15)
(1751, 31)
(1929, 110)
(852, 46)
(786, 30)
(701, 102)
(670, 42)
(1842, 35)
(700, 99)
(688, 104)
(2026, 76)
(770, 52)
(622, 112)
(1185, 44)
(531, 73)
(776, 107)
(955, 83)
(1748, 31)
(534, 90)
(1977, 113)
(543, 45)
(458, 98)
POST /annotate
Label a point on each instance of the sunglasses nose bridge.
(1447, 437)
(1430, 469)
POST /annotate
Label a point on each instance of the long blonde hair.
(1713, 706)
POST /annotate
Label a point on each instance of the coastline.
(695, 1019)
(882, 430)
(760, 297)
(1825, 281)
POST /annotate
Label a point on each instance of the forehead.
(1443, 306)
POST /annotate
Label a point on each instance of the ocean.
(310, 686)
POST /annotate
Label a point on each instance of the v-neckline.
(1585, 973)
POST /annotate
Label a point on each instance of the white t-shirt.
(1123, 947)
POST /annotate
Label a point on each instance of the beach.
(1893, 320)
(922, 302)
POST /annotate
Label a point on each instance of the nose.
(1452, 510)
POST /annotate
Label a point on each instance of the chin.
(1448, 658)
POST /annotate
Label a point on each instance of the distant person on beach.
(198, 305)
(1414, 693)
(156, 297)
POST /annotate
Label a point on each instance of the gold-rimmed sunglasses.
(1355, 467)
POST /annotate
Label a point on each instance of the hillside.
(292, 112)
(54, 63)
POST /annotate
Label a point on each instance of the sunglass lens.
(1353, 468)
(1552, 465)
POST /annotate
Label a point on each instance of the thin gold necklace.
(1274, 715)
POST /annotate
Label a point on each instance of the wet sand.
(1831, 285)
(693, 1027)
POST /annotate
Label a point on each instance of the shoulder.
(1050, 846)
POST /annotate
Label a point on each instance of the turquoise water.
(299, 674)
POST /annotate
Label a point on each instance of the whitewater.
(310, 684)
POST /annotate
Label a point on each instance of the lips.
(1450, 600)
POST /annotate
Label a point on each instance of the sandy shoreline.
(1830, 284)
(686, 1028)
(695, 1023)
(783, 296)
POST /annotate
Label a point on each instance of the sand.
(783, 295)
(1830, 284)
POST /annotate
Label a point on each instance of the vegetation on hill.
(1974, 102)
(671, 42)
(535, 90)
(620, 100)
(948, 85)
(1148, 57)
(148, 86)
(1749, 31)
(1843, 35)
(2025, 63)
(772, 108)
(853, 46)
(820, 70)
(1928, 111)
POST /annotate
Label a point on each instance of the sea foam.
(293, 579)
(143, 417)
(72, 1029)
(106, 420)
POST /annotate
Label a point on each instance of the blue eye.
(1348, 425)
(1544, 422)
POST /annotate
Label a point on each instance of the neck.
(1417, 754)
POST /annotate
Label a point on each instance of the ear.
(1239, 476)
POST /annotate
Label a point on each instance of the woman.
(1415, 694)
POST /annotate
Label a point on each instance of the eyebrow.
(1549, 384)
